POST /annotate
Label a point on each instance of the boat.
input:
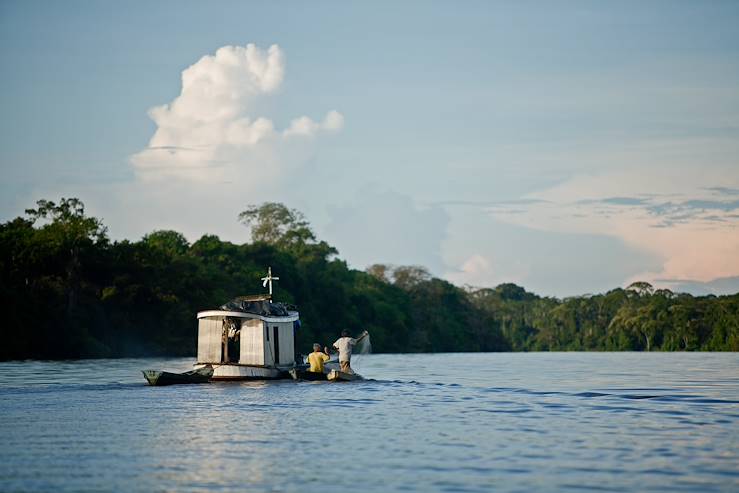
(297, 374)
(157, 377)
(249, 338)
(330, 376)
(331, 373)
(342, 376)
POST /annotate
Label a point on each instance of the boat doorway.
(231, 346)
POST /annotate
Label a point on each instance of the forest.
(69, 292)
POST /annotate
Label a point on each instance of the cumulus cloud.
(213, 151)
(306, 127)
(208, 133)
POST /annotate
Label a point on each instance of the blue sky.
(570, 147)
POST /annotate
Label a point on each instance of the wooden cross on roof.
(269, 279)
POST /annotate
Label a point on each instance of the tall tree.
(69, 231)
(275, 223)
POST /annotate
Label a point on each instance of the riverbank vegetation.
(68, 291)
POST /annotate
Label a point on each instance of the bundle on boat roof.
(258, 305)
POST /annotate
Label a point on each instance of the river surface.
(446, 422)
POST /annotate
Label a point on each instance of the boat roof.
(290, 317)
(254, 297)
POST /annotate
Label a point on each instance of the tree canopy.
(67, 291)
(274, 223)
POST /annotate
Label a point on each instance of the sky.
(569, 147)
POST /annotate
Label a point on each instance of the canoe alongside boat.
(331, 375)
(298, 374)
(342, 376)
(157, 377)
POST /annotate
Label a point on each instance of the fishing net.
(362, 348)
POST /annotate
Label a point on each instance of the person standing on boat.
(317, 358)
(345, 344)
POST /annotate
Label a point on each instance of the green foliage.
(638, 318)
(275, 224)
(67, 292)
(169, 242)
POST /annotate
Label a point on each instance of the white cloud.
(677, 214)
(476, 270)
(210, 155)
(306, 127)
(208, 135)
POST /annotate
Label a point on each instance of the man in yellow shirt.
(317, 358)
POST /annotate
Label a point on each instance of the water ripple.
(508, 422)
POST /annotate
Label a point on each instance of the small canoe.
(307, 375)
(156, 377)
(341, 376)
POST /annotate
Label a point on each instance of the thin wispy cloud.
(695, 231)
(486, 203)
(724, 190)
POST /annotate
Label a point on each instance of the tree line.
(68, 291)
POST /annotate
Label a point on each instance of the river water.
(445, 422)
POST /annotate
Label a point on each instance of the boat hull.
(246, 372)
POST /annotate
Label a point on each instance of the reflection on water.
(452, 422)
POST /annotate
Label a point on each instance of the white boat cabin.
(248, 331)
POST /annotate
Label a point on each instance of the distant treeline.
(67, 291)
